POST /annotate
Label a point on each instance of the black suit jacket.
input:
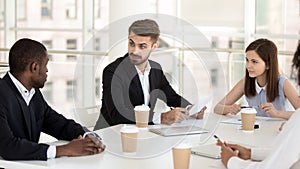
(122, 91)
(21, 125)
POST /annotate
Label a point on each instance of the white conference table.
(155, 151)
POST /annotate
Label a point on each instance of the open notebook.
(209, 150)
(178, 130)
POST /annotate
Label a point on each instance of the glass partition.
(65, 27)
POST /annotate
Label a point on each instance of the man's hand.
(200, 114)
(79, 147)
(175, 115)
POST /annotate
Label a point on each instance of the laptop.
(209, 150)
(178, 130)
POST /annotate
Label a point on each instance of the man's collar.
(22, 89)
(147, 68)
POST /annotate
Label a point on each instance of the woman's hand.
(235, 109)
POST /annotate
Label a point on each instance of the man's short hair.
(145, 27)
(23, 53)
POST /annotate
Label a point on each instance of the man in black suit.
(134, 80)
(24, 113)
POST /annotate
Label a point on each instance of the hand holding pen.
(249, 107)
(175, 115)
(234, 109)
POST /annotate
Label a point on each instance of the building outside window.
(71, 45)
(97, 88)
(47, 91)
(214, 77)
(21, 9)
(46, 8)
(71, 9)
(97, 8)
(70, 93)
(97, 44)
(48, 44)
(1, 10)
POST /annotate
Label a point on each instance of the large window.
(64, 27)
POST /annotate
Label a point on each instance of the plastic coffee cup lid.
(141, 108)
(183, 146)
(248, 110)
(129, 129)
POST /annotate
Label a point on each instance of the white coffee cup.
(248, 119)
(129, 137)
(141, 116)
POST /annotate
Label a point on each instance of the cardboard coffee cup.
(141, 116)
(181, 156)
(248, 119)
(129, 136)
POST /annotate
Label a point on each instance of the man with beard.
(24, 113)
(134, 80)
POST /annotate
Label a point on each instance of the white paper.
(238, 120)
(201, 103)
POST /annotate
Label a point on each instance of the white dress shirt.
(144, 79)
(285, 152)
(27, 96)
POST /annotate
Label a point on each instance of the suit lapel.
(25, 111)
(27, 115)
(137, 89)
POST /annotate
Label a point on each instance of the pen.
(215, 136)
(223, 143)
(249, 107)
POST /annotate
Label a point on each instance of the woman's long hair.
(267, 51)
(296, 62)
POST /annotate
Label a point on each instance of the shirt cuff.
(259, 154)
(237, 163)
(51, 152)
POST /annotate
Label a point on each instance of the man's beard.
(138, 56)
